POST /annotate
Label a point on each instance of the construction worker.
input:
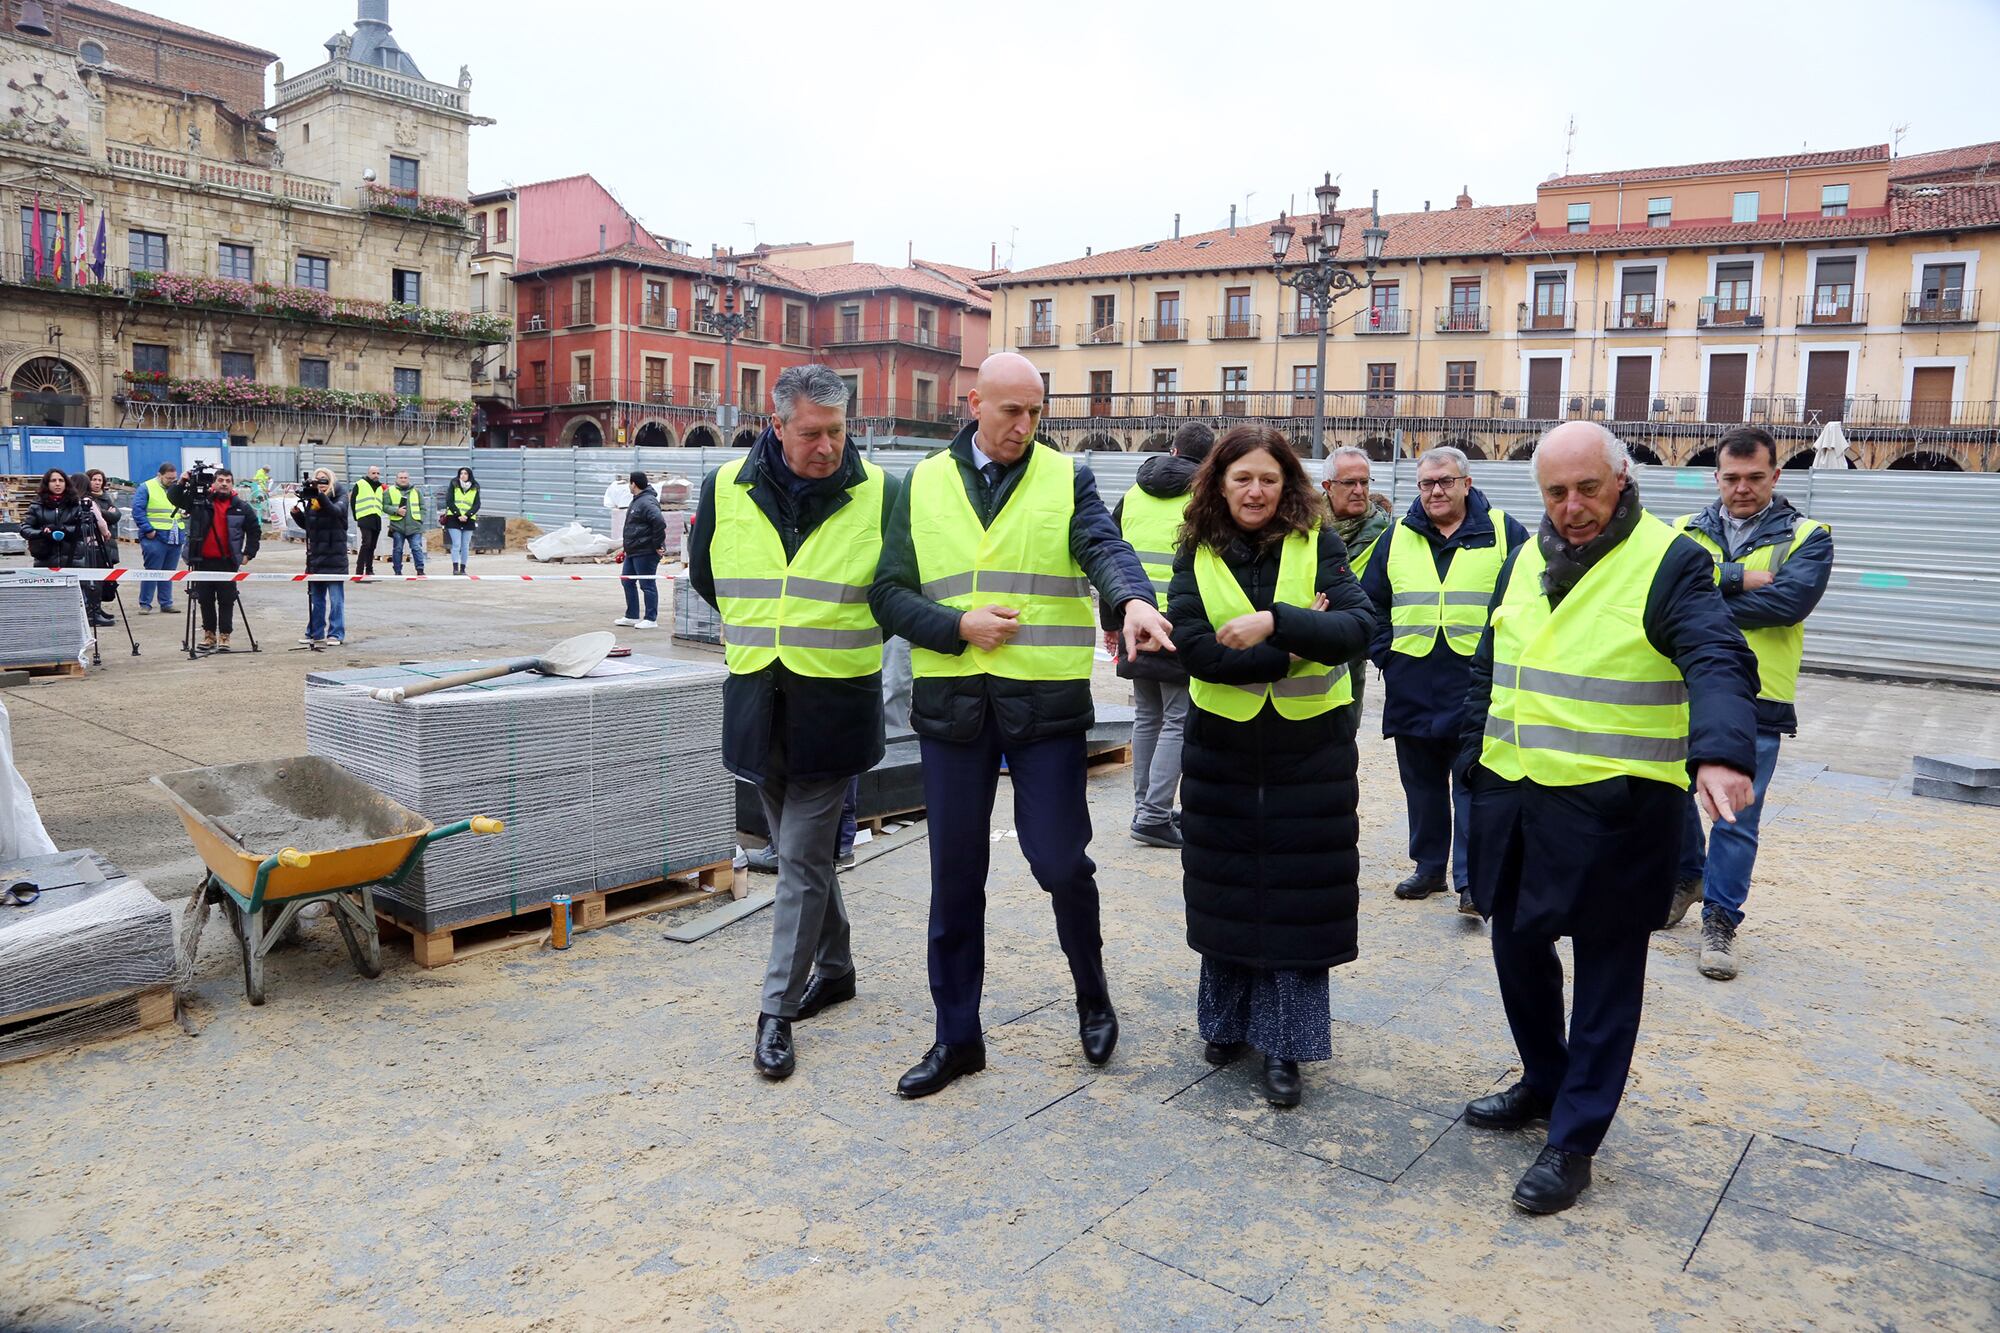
(1609, 674)
(785, 546)
(1772, 564)
(162, 529)
(1430, 578)
(367, 501)
(1149, 517)
(404, 506)
(987, 567)
(1359, 521)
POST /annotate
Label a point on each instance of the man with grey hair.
(1430, 577)
(785, 545)
(1359, 521)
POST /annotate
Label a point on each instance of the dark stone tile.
(1335, 1123)
(1093, 1282)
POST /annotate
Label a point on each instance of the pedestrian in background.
(458, 515)
(1149, 515)
(644, 536)
(97, 487)
(322, 514)
(92, 548)
(1359, 521)
(1267, 615)
(367, 506)
(404, 506)
(161, 528)
(53, 527)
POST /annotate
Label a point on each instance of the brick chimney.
(1464, 199)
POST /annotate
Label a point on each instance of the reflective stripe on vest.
(1421, 606)
(1152, 527)
(810, 612)
(1779, 648)
(1579, 692)
(396, 498)
(1309, 688)
(161, 516)
(1022, 561)
(463, 498)
(367, 499)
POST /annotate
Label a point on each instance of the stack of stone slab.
(694, 619)
(1957, 777)
(41, 619)
(612, 779)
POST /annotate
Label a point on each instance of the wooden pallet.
(18, 1041)
(49, 670)
(588, 911)
(1116, 757)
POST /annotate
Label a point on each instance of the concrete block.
(1956, 791)
(1971, 770)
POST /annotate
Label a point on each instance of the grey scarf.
(1565, 565)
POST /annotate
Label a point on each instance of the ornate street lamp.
(735, 289)
(1322, 280)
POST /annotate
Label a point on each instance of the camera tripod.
(110, 591)
(242, 617)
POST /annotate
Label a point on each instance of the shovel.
(570, 658)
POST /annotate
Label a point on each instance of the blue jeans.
(1731, 853)
(641, 562)
(461, 545)
(326, 610)
(416, 541)
(158, 554)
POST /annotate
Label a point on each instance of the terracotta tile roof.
(1946, 207)
(1973, 160)
(843, 279)
(1671, 238)
(956, 272)
(1872, 153)
(106, 9)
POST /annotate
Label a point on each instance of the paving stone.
(1986, 794)
(1968, 769)
(1093, 1282)
(1334, 1122)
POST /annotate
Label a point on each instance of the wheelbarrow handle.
(397, 694)
(476, 824)
(291, 857)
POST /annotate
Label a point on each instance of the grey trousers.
(1159, 721)
(809, 930)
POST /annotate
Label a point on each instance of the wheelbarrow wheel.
(364, 948)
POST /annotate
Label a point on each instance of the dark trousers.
(1440, 807)
(637, 563)
(1584, 1073)
(1052, 821)
(217, 604)
(371, 532)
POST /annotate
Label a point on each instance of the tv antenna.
(1569, 142)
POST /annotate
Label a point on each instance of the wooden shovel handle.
(400, 693)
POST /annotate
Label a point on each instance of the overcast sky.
(1044, 128)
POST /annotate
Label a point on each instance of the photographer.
(222, 535)
(322, 514)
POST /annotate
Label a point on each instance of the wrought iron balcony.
(1382, 319)
(1303, 324)
(1942, 305)
(1465, 319)
(905, 334)
(1832, 306)
(1720, 312)
(1636, 314)
(1163, 330)
(1546, 317)
(1224, 327)
(1100, 335)
(1032, 335)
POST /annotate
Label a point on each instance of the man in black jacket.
(322, 512)
(1619, 677)
(222, 535)
(643, 537)
(1010, 678)
(785, 545)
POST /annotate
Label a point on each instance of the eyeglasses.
(1338, 481)
(1437, 483)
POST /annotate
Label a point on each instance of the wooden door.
(1633, 387)
(1826, 386)
(1544, 387)
(1728, 377)
(1930, 396)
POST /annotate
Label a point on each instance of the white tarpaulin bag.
(21, 831)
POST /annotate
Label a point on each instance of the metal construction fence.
(1916, 582)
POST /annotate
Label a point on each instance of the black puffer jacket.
(324, 518)
(645, 529)
(43, 521)
(1270, 864)
(1166, 477)
(243, 539)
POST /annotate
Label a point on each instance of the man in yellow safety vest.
(162, 528)
(1359, 521)
(368, 518)
(1609, 676)
(1772, 564)
(988, 564)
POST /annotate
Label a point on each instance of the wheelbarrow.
(279, 834)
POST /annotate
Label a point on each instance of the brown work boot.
(222, 643)
(207, 644)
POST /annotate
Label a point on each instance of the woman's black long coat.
(1270, 863)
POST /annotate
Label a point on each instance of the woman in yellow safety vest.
(1267, 615)
(458, 515)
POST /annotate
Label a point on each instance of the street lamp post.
(731, 324)
(1322, 280)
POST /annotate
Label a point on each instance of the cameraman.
(323, 515)
(222, 535)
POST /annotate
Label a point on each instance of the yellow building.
(178, 264)
(1666, 302)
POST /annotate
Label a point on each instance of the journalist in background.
(321, 512)
(222, 537)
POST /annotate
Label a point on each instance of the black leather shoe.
(1553, 1182)
(821, 994)
(941, 1066)
(1222, 1052)
(1097, 1024)
(1517, 1106)
(774, 1047)
(1418, 886)
(1281, 1081)
(1467, 907)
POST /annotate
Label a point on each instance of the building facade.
(1666, 302)
(186, 257)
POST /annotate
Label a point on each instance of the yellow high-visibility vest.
(1152, 527)
(1358, 561)
(1309, 688)
(1022, 561)
(161, 516)
(1779, 648)
(413, 498)
(367, 499)
(1422, 606)
(809, 612)
(1579, 692)
(462, 499)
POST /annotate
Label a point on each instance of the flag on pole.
(35, 244)
(97, 255)
(80, 251)
(56, 264)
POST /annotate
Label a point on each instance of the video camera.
(200, 475)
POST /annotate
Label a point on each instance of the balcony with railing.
(241, 177)
(797, 333)
(1730, 312)
(903, 334)
(443, 209)
(1036, 335)
(1946, 305)
(1226, 327)
(1303, 324)
(1636, 314)
(1546, 317)
(1381, 319)
(1465, 319)
(1163, 330)
(577, 314)
(1100, 335)
(658, 315)
(1832, 307)
(532, 319)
